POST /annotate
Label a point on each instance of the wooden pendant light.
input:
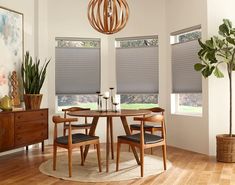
(108, 16)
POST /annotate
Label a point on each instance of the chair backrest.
(57, 120)
(73, 109)
(152, 119)
(157, 110)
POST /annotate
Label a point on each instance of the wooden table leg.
(128, 132)
(91, 133)
(111, 134)
(107, 143)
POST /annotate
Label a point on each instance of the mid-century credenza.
(23, 128)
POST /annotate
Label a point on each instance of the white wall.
(188, 132)
(219, 88)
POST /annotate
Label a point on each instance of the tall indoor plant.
(33, 76)
(215, 53)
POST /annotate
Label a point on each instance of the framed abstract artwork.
(11, 46)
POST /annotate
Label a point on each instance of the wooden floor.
(188, 168)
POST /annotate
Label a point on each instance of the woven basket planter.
(225, 148)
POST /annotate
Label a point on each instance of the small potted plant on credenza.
(33, 76)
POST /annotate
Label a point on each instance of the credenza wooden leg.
(43, 146)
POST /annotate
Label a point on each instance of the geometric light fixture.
(108, 16)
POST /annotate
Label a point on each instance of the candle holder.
(99, 102)
(115, 106)
(111, 98)
(106, 103)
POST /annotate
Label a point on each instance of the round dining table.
(123, 114)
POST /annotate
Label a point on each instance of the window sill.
(191, 114)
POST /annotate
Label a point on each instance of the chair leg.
(94, 144)
(118, 155)
(54, 156)
(82, 156)
(86, 132)
(70, 162)
(164, 156)
(98, 156)
(152, 132)
(142, 161)
(129, 147)
(64, 132)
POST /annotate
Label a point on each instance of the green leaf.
(32, 74)
(218, 73)
(223, 30)
(201, 44)
(210, 43)
(228, 23)
(206, 72)
(199, 66)
(230, 40)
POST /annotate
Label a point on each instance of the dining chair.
(76, 126)
(152, 128)
(73, 141)
(144, 140)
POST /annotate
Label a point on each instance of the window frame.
(175, 107)
(175, 97)
(74, 39)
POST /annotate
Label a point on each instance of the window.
(186, 83)
(137, 71)
(85, 101)
(77, 72)
(139, 101)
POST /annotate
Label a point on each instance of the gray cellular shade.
(137, 70)
(184, 78)
(77, 70)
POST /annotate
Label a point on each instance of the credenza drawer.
(30, 137)
(30, 126)
(30, 116)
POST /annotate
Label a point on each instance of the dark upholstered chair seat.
(148, 138)
(146, 126)
(80, 125)
(76, 138)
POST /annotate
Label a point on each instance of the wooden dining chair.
(73, 141)
(152, 128)
(144, 140)
(76, 126)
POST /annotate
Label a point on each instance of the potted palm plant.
(216, 53)
(33, 76)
